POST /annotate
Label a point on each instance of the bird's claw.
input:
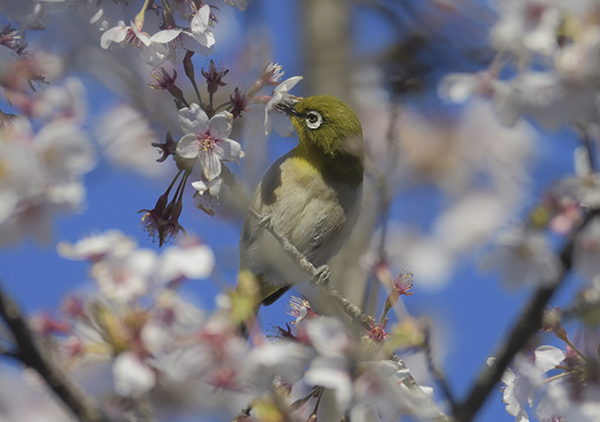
(322, 275)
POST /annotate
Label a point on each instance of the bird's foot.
(264, 222)
(322, 276)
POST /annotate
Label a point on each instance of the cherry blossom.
(275, 118)
(527, 377)
(207, 193)
(207, 140)
(198, 38)
(151, 52)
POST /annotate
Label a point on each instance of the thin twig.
(82, 406)
(524, 329)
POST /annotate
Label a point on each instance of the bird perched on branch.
(311, 195)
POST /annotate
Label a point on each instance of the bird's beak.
(287, 109)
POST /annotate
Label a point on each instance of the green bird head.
(330, 135)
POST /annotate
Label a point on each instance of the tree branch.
(81, 405)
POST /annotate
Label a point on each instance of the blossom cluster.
(44, 149)
(555, 45)
(560, 385)
(162, 346)
(205, 141)
(546, 71)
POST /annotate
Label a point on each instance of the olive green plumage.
(312, 194)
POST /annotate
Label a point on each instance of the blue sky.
(473, 311)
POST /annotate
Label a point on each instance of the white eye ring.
(313, 119)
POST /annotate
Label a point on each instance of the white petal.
(211, 165)
(144, 38)
(282, 124)
(200, 186)
(287, 85)
(188, 147)
(199, 23)
(220, 125)
(166, 35)
(228, 150)
(116, 34)
(154, 55)
(214, 187)
(196, 43)
(547, 357)
(193, 119)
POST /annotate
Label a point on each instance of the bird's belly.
(317, 221)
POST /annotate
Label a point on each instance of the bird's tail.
(250, 294)
(246, 301)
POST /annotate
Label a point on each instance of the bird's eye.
(313, 119)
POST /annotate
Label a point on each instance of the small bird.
(312, 196)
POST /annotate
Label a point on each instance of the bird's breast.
(315, 214)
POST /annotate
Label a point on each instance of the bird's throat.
(338, 167)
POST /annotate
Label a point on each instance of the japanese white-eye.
(312, 195)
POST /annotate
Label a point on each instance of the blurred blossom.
(526, 26)
(97, 247)
(560, 400)
(178, 41)
(579, 62)
(523, 256)
(460, 87)
(380, 393)
(548, 99)
(151, 52)
(332, 368)
(189, 259)
(283, 359)
(126, 277)
(172, 318)
(43, 163)
(424, 254)
(19, 75)
(126, 138)
(132, 377)
(526, 377)
(62, 101)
